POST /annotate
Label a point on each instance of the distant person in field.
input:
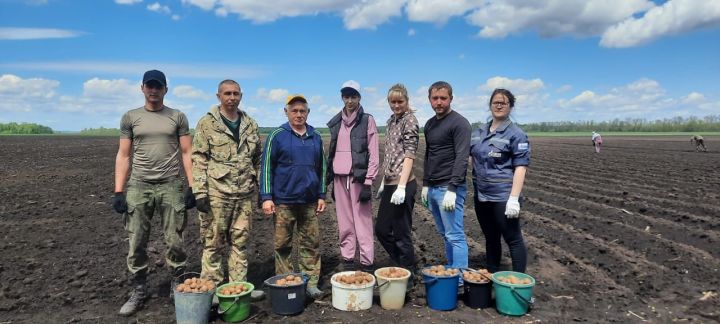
(597, 141)
(447, 135)
(699, 143)
(500, 154)
(157, 138)
(397, 189)
(353, 165)
(292, 189)
(225, 162)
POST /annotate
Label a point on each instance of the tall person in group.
(226, 160)
(157, 138)
(500, 154)
(447, 135)
(397, 189)
(353, 165)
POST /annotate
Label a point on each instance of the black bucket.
(287, 300)
(478, 295)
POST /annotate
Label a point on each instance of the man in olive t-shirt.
(158, 139)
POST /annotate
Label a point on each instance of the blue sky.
(74, 64)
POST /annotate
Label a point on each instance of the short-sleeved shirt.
(495, 156)
(155, 137)
(401, 141)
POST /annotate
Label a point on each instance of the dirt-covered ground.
(627, 235)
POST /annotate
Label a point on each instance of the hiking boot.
(136, 301)
(347, 265)
(257, 295)
(314, 292)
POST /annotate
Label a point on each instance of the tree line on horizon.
(709, 123)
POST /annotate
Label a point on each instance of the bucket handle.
(529, 303)
(430, 281)
(221, 311)
(382, 284)
(478, 272)
(177, 278)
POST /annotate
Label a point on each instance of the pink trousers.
(355, 221)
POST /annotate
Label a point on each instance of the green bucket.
(513, 299)
(234, 308)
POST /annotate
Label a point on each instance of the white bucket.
(392, 293)
(351, 297)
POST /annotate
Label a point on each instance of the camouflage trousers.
(229, 223)
(302, 220)
(144, 201)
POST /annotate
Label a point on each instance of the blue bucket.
(441, 291)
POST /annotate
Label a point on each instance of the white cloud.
(514, 85)
(437, 11)
(18, 94)
(694, 98)
(157, 7)
(552, 18)
(370, 14)
(15, 33)
(175, 17)
(201, 71)
(672, 17)
(273, 95)
(127, 2)
(119, 88)
(564, 88)
(190, 92)
(203, 4)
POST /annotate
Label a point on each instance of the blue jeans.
(450, 224)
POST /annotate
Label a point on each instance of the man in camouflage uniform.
(292, 188)
(225, 161)
(158, 138)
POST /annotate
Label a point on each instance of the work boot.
(369, 268)
(137, 298)
(314, 292)
(347, 265)
(257, 295)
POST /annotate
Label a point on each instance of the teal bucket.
(513, 299)
(192, 308)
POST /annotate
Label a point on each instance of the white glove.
(423, 196)
(449, 200)
(512, 208)
(380, 189)
(398, 197)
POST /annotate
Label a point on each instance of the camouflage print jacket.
(222, 167)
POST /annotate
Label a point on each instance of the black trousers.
(393, 226)
(494, 224)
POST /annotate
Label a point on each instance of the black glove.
(119, 203)
(203, 204)
(365, 193)
(189, 199)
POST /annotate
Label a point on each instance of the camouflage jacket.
(222, 167)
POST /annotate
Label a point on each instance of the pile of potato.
(289, 280)
(195, 285)
(441, 271)
(356, 278)
(511, 279)
(234, 290)
(393, 272)
(480, 276)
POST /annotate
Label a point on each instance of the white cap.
(352, 84)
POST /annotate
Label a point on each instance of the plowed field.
(628, 235)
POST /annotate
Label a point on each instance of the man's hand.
(203, 204)
(512, 208)
(365, 193)
(119, 203)
(380, 189)
(424, 196)
(189, 199)
(268, 207)
(449, 200)
(398, 197)
(320, 206)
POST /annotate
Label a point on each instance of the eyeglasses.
(500, 104)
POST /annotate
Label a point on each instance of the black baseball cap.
(155, 75)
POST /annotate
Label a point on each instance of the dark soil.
(629, 234)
